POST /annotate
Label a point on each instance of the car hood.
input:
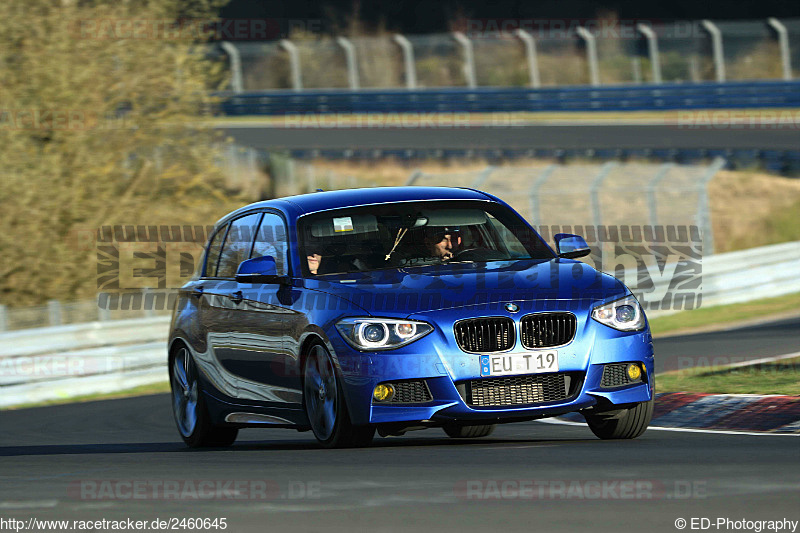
(530, 284)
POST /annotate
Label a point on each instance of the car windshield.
(409, 234)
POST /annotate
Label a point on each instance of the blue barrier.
(730, 95)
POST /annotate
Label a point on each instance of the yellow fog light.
(634, 371)
(383, 392)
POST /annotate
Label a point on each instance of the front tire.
(324, 403)
(621, 424)
(189, 407)
(469, 432)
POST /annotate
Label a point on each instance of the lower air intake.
(411, 392)
(616, 375)
(520, 390)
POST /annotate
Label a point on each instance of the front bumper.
(438, 361)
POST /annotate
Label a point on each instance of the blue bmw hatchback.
(396, 309)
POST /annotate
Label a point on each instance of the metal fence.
(591, 54)
(259, 174)
(291, 177)
(146, 304)
(612, 193)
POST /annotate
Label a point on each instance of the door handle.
(197, 292)
(237, 297)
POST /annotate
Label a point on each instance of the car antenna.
(319, 190)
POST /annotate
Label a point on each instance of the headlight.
(381, 333)
(625, 314)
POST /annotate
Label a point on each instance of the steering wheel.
(360, 265)
(461, 253)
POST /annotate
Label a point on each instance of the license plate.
(519, 363)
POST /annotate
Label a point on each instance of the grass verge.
(777, 377)
(142, 390)
(707, 317)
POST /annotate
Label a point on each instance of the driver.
(442, 242)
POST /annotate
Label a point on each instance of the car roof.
(325, 200)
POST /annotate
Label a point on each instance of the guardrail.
(535, 52)
(756, 94)
(100, 357)
(746, 275)
(59, 362)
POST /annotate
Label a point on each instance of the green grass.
(779, 226)
(697, 319)
(143, 390)
(779, 377)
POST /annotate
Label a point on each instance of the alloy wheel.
(184, 392)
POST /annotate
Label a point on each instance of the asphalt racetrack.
(726, 347)
(79, 462)
(526, 136)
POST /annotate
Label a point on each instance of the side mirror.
(260, 270)
(571, 246)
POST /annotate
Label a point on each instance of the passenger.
(314, 260)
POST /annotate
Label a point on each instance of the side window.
(237, 245)
(271, 240)
(212, 257)
(513, 244)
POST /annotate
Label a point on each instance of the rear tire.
(622, 424)
(325, 406)
(195, 425)
(469, 432)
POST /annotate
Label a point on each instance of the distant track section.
(526, 137)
